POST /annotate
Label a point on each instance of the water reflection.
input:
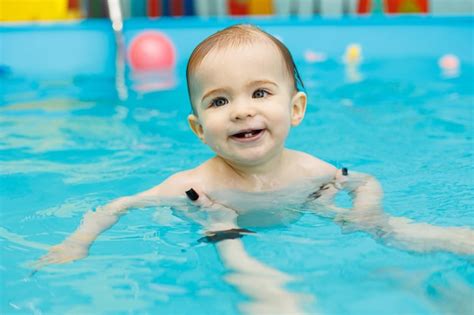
(152, 81)
(263, 284)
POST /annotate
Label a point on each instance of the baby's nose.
(243, 111)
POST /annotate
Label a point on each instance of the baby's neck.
(267, 176)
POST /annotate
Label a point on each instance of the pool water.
(68, 146)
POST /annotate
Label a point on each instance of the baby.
(245, 93)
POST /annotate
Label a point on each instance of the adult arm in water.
(76, 246)
(367, 214)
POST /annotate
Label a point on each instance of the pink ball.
(449, 62)
(151, 51)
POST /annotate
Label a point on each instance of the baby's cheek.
(211, 134)
(283, 124)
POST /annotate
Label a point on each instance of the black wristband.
(224, 235)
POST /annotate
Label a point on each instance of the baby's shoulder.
(311, 166)
(199, 178)
(177, 184)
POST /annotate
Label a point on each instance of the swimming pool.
(69, 145)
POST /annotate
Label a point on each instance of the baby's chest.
(263, 210)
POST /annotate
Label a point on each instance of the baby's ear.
(298, 108)
(196, 126)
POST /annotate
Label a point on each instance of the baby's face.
(245, 102)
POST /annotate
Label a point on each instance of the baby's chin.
(249, 158)
(248, 155)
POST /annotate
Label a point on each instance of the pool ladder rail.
(116, 17)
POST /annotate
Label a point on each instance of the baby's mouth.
(248, 135)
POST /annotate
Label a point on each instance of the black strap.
(218, 236)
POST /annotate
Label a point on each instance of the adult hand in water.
(365, 190)
(65, 252)
(76, 246)
(221, 223)
(219, 216)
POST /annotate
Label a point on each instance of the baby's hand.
(65, 252)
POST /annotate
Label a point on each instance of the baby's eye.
(219, 101)
(259, 93)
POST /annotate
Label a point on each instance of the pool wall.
(87, 47)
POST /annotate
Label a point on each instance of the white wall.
(446, 7)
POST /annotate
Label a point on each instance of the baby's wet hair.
(237, 35)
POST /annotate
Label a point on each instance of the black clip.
(192, 194)
(344, 171)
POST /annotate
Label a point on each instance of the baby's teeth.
(248, 135)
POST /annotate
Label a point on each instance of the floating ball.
(353, 54)
(313, 56)
(449, 62)
(151, 51)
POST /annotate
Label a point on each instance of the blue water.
(68, 146)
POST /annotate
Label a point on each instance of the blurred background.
(46, 10)
(61, 38)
